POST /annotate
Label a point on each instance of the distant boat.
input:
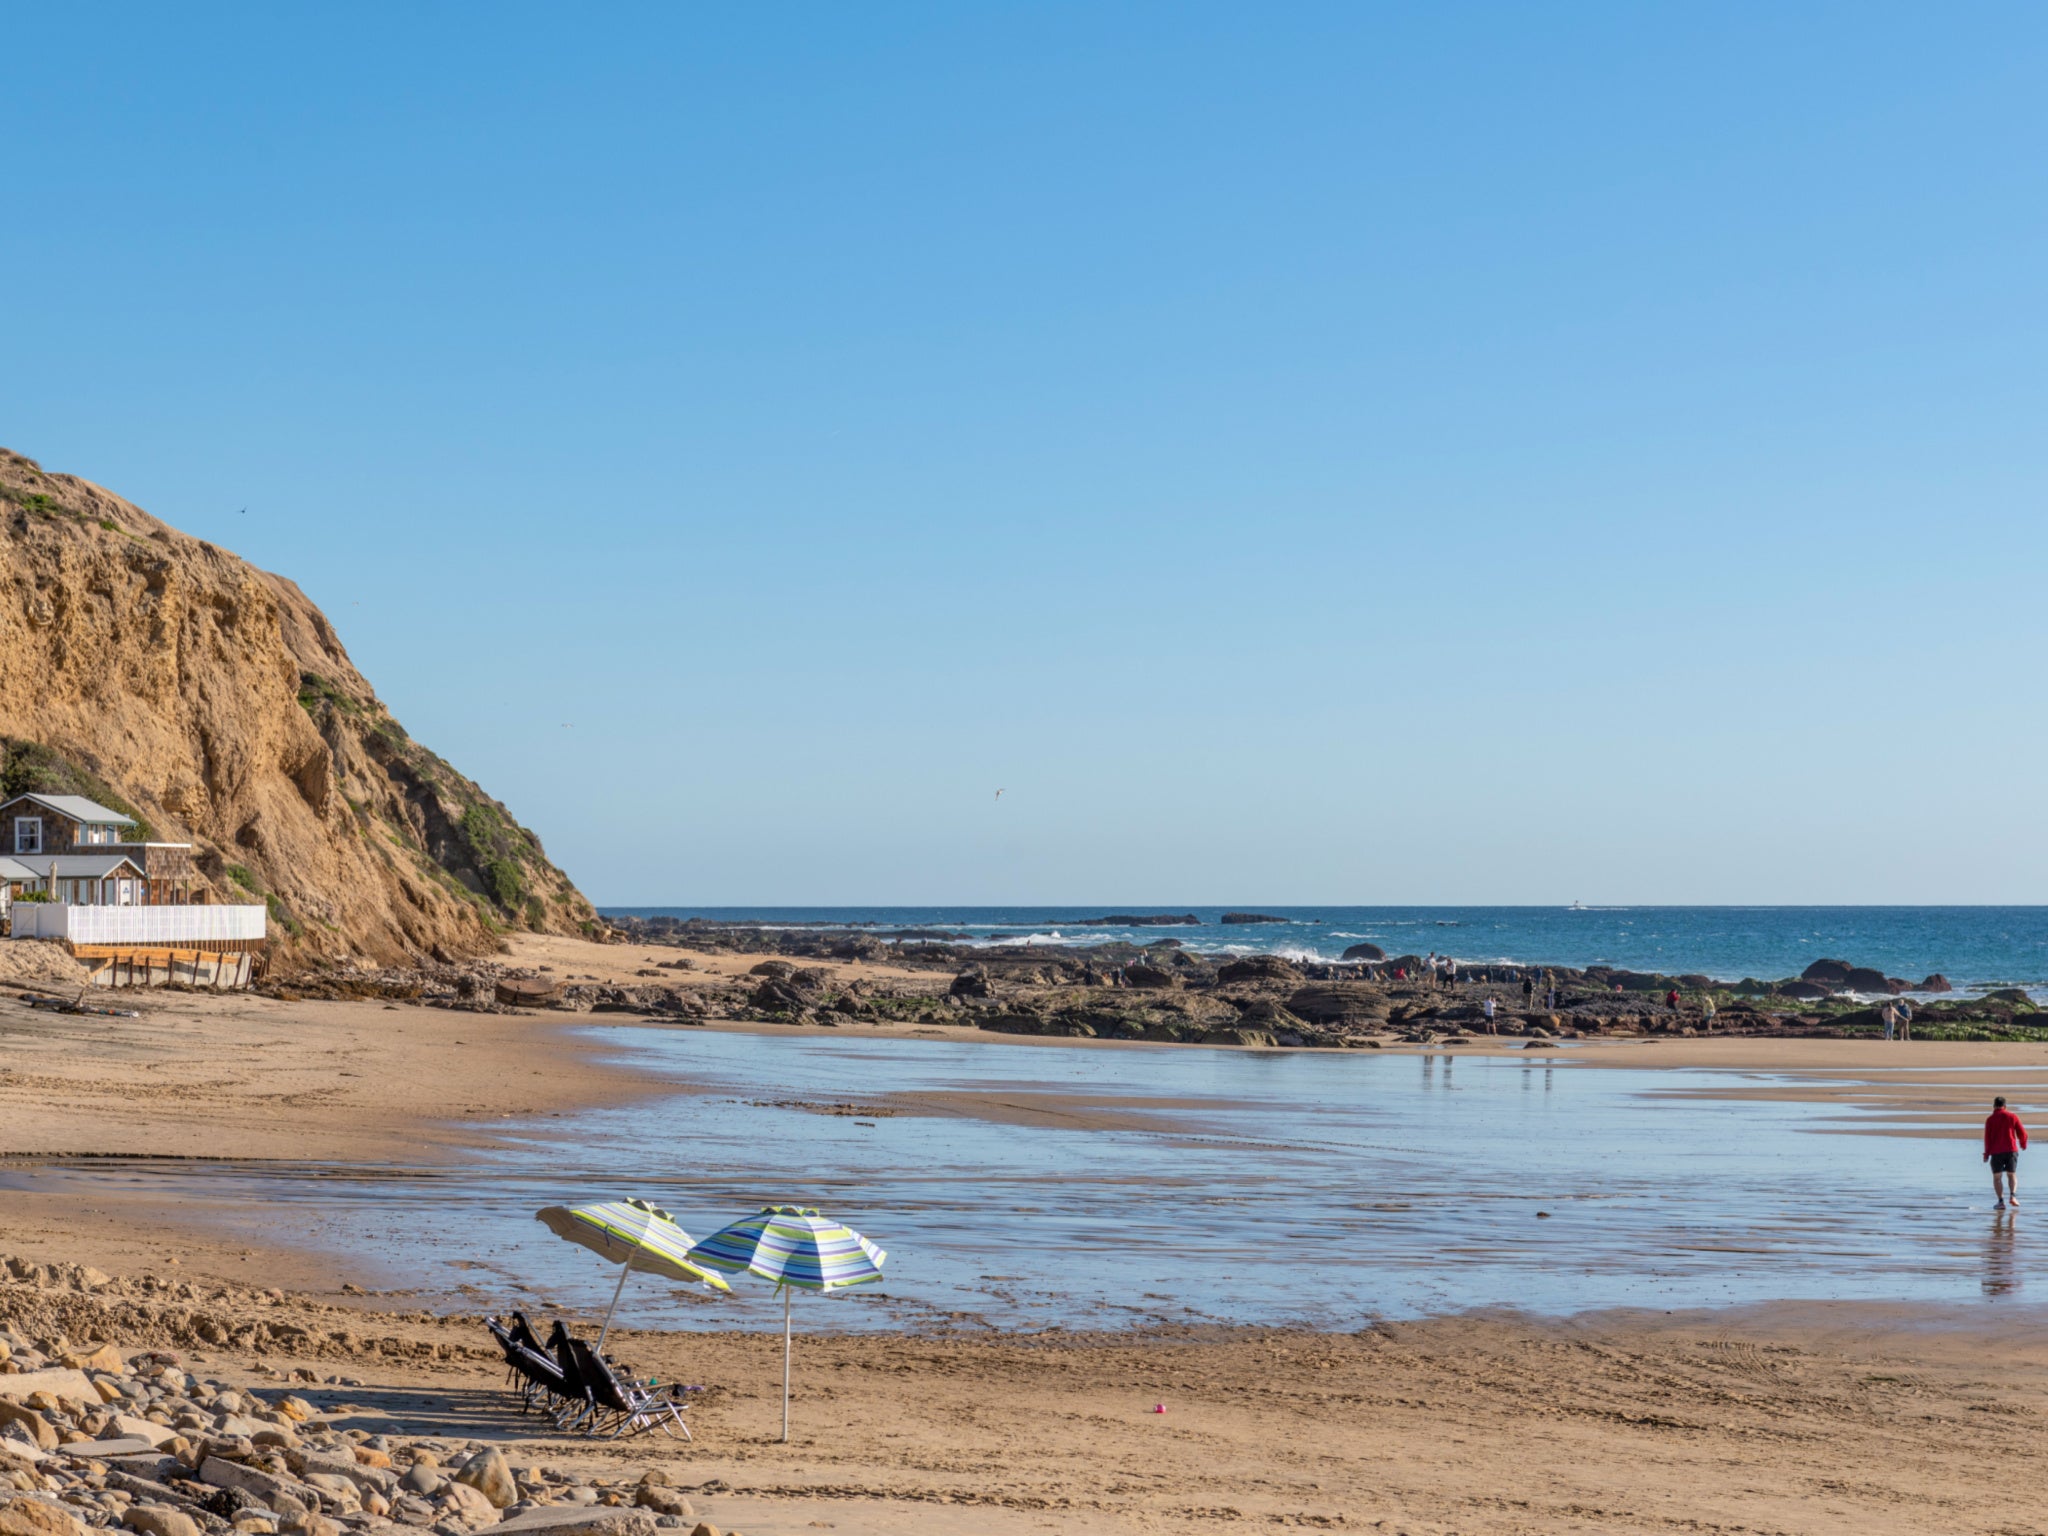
(1578, 906)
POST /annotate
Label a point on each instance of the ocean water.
(1022, 1185)
(1971, 946)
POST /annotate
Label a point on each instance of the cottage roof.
(80, 866)
(14, 869)
(77, 807)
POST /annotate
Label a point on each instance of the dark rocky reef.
(1160, 991)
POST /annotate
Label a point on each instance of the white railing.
(138, 925)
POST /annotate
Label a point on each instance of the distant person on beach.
(1489, 1018)
(1671, 998)
(2004, 1139)
(1905, 1012)
(1888, 1016)
(1528, 991)
(1707, 1012)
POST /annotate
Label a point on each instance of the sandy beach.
(1797, 1417)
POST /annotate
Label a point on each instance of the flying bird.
(999, 794)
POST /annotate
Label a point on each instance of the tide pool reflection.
(1028, 1185)
(2001, 1258)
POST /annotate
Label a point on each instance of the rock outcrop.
(161, 674)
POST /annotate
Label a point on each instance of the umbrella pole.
(625, 1269)
(785, 1365)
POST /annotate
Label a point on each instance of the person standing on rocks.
(1528, 992)
(1904, 1010)
(1888, 1016)
(2004, 1139)
(1707, 1012)
(1490, 1029)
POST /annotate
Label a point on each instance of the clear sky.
(1310, 453)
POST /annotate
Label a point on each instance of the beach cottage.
(123, 906)
(35, 826)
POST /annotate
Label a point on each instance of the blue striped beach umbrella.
(796, 1248)
(633, 1235)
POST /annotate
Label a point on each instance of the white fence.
(159, 926)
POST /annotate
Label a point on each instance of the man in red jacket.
(2004, 1136)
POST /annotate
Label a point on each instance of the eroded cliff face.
(215, 702)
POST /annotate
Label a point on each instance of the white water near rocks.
(1021, 1185)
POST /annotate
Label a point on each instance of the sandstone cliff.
(174, 680)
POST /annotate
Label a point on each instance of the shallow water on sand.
(1030, 1186)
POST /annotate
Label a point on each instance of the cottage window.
(28, 834)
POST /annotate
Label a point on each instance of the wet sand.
(1797, 1417)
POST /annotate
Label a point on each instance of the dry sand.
(1790, 1418)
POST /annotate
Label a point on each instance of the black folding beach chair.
(522, 1331)
(580, 1410)
(539, 1380)
(623, 1407)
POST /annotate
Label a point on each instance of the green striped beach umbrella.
(633, 1235)
(796, 1248)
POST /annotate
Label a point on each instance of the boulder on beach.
(1251, 917)
(1864, 978)
(858, 947)
(1339, 1003)
(1935, 983)
(1264, 1013)
(1830, 973)
(1149, 976)
(1257, 968)
(1365, 952)
(1805, 989)
(488, 1473)
(973, 982)
(778, 995)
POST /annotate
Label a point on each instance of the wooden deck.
(223, 965)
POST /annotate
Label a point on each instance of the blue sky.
(1306, 454)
